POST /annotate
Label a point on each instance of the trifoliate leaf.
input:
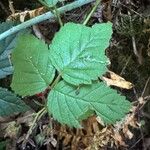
(33, 71)
(10, 103)
(78, 52)
(69, 107)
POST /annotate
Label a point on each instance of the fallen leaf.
(118, 139)
(118, 81)
(27, 118)
(12, 129)
(22, 16)
(100, 121)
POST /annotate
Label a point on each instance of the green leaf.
(6, 46)
(70, 107)
(33, 71)
(10, 103)
(78, 52)
(5, 68)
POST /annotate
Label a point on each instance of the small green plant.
(70, 67)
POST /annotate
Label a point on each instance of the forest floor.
(129, 54)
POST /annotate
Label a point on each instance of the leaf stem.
(43, 17)
(92, 11)
(56, 81)
(56, 12)
(38, 116)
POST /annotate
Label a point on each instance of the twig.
(56, 81)
(135, 93)
(146, 84)
(138, 109)
(37, 117)
(43, 17)
(143, 92)
(123, 69)
(133, 37)
(142, 135)
(11, 7)
(134, 42)
(135, 143)
(56, 12)
(132, 10)
(92, 11)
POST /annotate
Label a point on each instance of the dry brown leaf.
(118, 139)
(130, 120)
(118, 81)
(27, 118)
(99, 120)
(67, 139)
(95, 136)
(129, 134)
(11, 129)
(27, 14)
(123, 125)
(51, 140)
(102, 138)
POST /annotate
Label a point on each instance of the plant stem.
(37, 117)
(92, 11)
(56, 81)
(56, 12)
(43, 17)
